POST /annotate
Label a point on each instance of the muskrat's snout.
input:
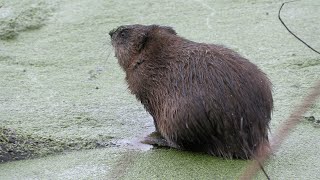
(112, 32)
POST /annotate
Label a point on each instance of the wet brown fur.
(203, 97)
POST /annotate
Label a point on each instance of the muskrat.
(202, 97)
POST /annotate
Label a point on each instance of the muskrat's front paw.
(156, 139)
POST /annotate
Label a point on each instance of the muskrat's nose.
(112, 32)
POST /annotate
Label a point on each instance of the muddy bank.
(17, 145)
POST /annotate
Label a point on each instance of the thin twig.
(291, 31)
(282, 133)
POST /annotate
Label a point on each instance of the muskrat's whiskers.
(104, 54)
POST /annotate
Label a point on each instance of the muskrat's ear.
(164, 28)
(169, 29)
(143, 41)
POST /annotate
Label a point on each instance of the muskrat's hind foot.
(156, 139)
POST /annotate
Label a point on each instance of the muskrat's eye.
(124, 33)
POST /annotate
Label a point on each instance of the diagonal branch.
(282, 132)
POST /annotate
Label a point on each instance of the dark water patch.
(17, 145)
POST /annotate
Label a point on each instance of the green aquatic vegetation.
(60, 85)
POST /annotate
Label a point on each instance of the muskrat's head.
(130, 40)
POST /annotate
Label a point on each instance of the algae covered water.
(64, 102)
